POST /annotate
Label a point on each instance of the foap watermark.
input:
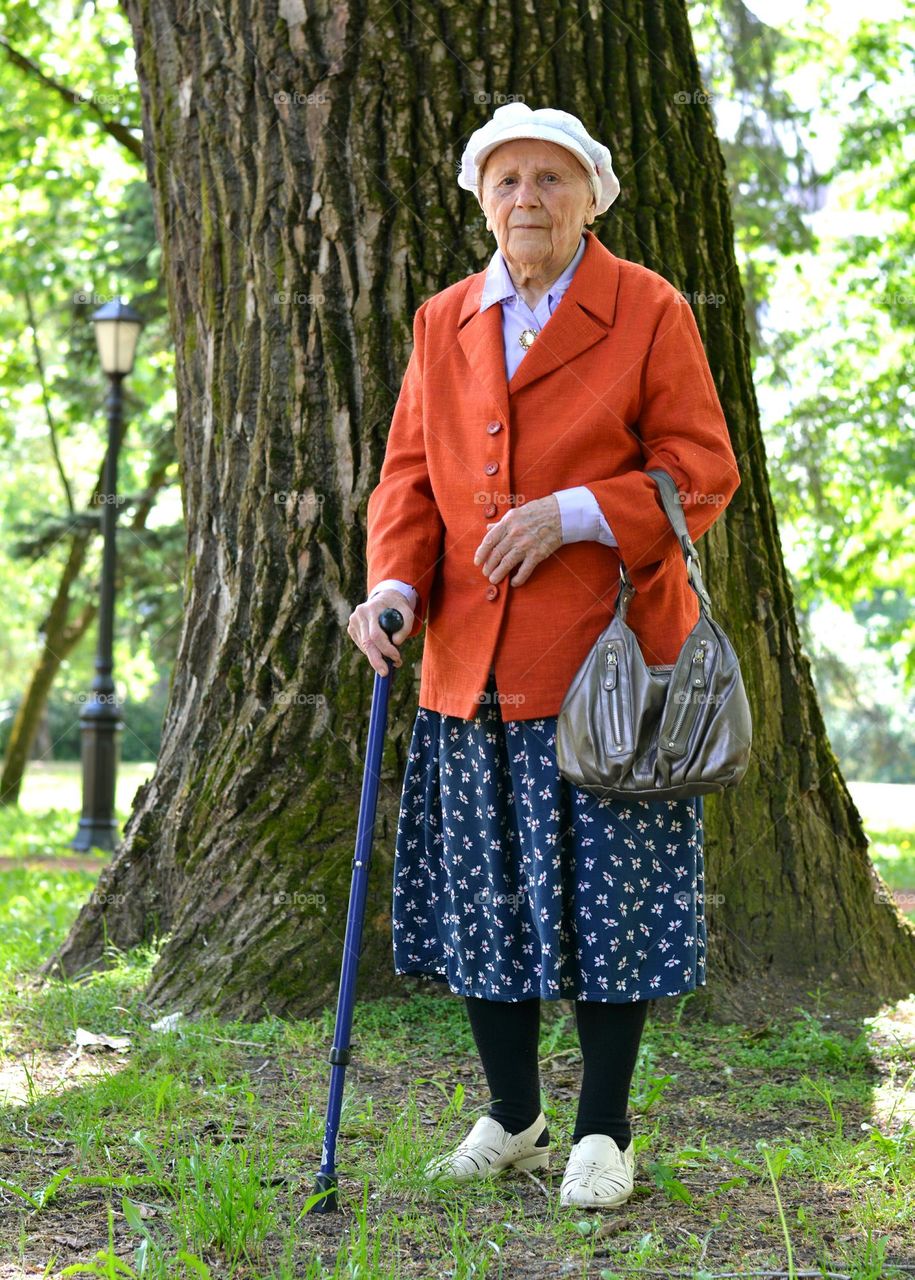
(89, 298)
(488, 898)
(110, 500)
(298, 898)
(484, 99)
(697, 298)
(494, 698)
(100, 899)
(686, 897)
(697, 499)
(299, 498)
(296, 299)
(297, 99)
(685, 96)
(104, 101)
(483, 498)
(701, 699)
(901, 898)
(300, 699)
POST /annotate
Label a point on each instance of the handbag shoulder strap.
(670, 499)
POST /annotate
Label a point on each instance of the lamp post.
(117, 328)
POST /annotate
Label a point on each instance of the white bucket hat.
(517, 120)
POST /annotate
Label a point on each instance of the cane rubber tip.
(325, 1183)
(390, 620)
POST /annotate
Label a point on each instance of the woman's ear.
(480, 203)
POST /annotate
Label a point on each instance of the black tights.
(507, 1036)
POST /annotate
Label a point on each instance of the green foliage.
(771, 176)
(76, 229)
(815, 119)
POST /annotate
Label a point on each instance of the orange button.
(493, 427)
(491, 592)
(490, 510)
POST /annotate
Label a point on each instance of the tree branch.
(74, 100)
(45, 399)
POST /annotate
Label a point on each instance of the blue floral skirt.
(510, 882)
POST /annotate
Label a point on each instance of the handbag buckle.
(694, 576)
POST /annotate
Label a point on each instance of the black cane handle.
(390, 620)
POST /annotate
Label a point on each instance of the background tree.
(825, 250)
(76, 228)
(303, 173)
(771, 177)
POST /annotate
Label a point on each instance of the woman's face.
(536, 197)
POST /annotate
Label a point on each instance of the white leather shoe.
(489, 1150)
(598, 1174)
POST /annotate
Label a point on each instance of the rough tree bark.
(303, 161)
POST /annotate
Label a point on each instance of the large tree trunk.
(304, 181)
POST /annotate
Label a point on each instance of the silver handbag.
(627, 730)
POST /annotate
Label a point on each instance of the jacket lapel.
(584, 315)
(480, 336)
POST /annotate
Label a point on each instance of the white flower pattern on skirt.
(511, 882)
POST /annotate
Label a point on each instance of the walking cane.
(390, 621)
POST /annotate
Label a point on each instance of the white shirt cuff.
(410, 592)
(582, 518)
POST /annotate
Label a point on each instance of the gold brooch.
(527, 337)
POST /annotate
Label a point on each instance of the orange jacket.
(616, 381)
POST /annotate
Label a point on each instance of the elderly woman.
(513, 485)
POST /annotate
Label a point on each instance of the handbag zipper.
(697, 679)
(612, 683)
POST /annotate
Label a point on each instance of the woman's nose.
(527, 192)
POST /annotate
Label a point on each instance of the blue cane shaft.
(352, 943)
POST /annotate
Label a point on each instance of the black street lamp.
(117, 328)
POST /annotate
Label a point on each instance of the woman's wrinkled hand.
(524, 536)
(368, 636)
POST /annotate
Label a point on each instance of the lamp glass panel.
(117, 344)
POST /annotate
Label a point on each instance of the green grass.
(194, 1152)
(51, 787)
